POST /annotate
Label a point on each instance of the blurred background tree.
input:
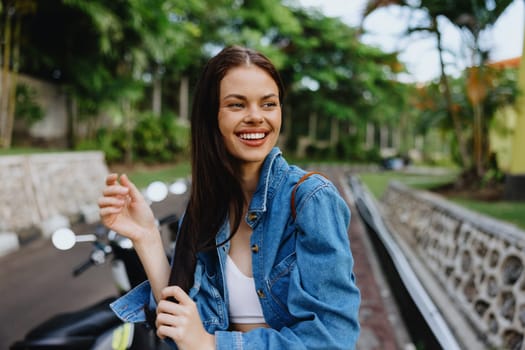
(128, 66)
(472, 17)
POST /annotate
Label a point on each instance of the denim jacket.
(302, 269)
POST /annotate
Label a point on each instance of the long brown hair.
(215, 187)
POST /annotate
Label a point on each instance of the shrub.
(160, 139)
(27, 108)
(156, 139)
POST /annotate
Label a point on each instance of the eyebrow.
(242, 97)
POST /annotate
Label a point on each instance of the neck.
(249, 179)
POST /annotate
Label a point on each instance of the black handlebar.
(86, 265)
(168, 219)
(100, 247)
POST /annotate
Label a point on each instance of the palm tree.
(432, 28)
(12, 13)
(472, 17)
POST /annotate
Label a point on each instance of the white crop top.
(244, 306)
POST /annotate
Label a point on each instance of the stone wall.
(37, 189)
(52, 99)
(479, 262)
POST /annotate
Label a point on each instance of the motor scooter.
(96, 327)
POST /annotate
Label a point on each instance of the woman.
(245, 273)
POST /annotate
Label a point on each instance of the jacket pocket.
(209, 300)
(279, 286)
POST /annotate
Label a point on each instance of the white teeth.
(253, 136)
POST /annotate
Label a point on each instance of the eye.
(269, 105)
(235, 105)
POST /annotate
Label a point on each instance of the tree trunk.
(334, 132)
(72, 112)
(12, 85)
(312, 127)
(184, 98)
(156, 99)
(369, 137)
(128, 120)
(4, 96)
(478, 136)
(383, 137)
(462, 146)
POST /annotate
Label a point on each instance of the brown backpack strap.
(304, 177)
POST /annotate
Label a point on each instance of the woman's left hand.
(181, 321)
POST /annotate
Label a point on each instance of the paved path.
(36, 283)
(381, 325)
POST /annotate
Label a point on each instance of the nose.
(254, 115)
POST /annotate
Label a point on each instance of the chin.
(253, 156)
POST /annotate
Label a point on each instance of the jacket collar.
(272, 172)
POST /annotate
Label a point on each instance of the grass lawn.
(512, 212)
(142, 176)
(28, 150)
(378, 182)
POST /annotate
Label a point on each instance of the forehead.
(247, 79)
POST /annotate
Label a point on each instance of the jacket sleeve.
(132, 306)
(323, 295)
(135, 306)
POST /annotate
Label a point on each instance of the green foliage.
(159, 138)
(149, 139)
(431, 104)
(113, 143)
(111, 54)
(349, 148)
(155, 139)
(27, 108)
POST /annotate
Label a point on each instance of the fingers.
(178, 293)
(114, 194)
(178, 320)
(183, 306)
(111, 179)
(171, 319)
(170, 307)
(167, 331)
(181, 321)
(111, 202)
(114, 197)
(133, 190)
(113, 187)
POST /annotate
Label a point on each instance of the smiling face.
(249, 113)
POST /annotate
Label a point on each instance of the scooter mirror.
(156, 191)
(63, 239)
(178, 187)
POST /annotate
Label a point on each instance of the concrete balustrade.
(40, 191)
(478, 263)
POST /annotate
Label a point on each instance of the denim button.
(260, 293)
(252, 216)
(255, 248)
